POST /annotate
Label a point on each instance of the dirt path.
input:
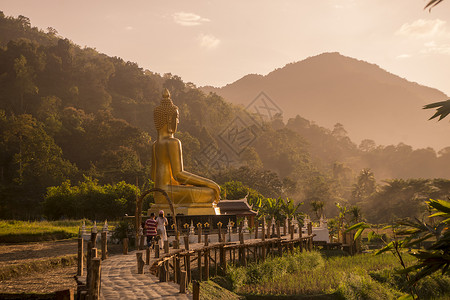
(11, 254)
(38, 282)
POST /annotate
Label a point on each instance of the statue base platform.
(199, 209)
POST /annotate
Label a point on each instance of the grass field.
(310, 274)
(12, 231)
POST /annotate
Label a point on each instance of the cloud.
(423, 28)
(188, 19)
(208, 41)
(434, 48)
(403, 56)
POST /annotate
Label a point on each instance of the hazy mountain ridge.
(331, 88)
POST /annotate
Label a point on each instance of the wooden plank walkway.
(120, 280)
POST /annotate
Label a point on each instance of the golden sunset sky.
(217, 42)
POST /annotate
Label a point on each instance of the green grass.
(301, 275)
(214, 289)
(12, 231)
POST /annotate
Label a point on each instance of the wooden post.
(263, 252)
(186, 243)
(289, 226)
(162, 272)
(196, 290)
(125, 246)
(80, 257)
(177, 267)
(280, 248)
(263, 230)
(292, 232)
(94, 286)
(256, 229)
(199, 234)
(220, 232)
(94, 253)
(284, 227)
(199, 264)
(300, 233)
(64, 294)
(88, 263)
(104, 245)
(94, 239)
(140, 263)
(309, 228)
(157, 250)
(206, 240)
(166, 269)
(147, 256)
(278, 229)
(223, 259)
(141, 242)
(166, 246)
(187, 265)
(183, 282)
(234, 255)
(207, 264)
(215, 261)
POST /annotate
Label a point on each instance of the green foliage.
(123, 230)
(12, 231)
(274, 268)
(435, 257)
(354, 287)
(233, 190)
(399, 198)
(91, 200)
(363, 276)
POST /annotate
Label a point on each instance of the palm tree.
(365, 185)
(317, 207)
(433, 3)
(442, 107)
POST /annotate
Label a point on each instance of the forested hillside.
(331, 88)
(71, 113)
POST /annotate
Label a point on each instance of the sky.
(217, 42)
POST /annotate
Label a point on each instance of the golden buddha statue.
(191, 194)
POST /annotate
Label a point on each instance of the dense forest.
(79, 120)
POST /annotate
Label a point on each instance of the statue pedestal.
(195, 209)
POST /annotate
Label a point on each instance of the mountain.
(331, 88)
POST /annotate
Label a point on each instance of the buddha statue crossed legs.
(191, 193)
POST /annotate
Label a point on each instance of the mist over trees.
(77, 122)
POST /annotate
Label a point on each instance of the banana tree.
(291, 210)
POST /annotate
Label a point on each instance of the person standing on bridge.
(161, 222)
(150, 229)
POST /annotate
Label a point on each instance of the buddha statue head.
(166, 114)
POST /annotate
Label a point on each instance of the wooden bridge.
(149, 273)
